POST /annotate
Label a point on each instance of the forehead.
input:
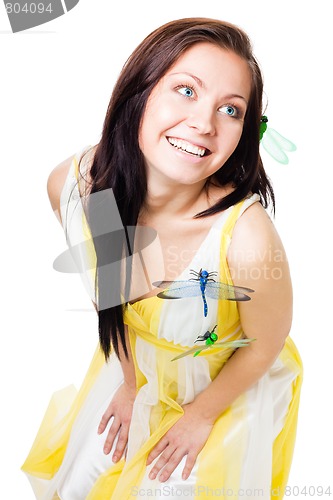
(214, 65)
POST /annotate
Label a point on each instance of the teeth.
(186, 146)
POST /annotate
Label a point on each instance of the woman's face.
(194, 115)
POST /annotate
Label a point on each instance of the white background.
(56, 81)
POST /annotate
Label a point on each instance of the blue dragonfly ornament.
(210, 338)
(203, 283)
(274, 143)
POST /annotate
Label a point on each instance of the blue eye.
(186, 91)
(229, 110)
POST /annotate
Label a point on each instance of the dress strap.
(235, 212)
(75, 226)
(70, 190)
(82, 162)
(227, 309)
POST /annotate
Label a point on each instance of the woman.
(180, 152)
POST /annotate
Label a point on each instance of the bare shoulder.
(57, 178)
(257, 260)
(256, 256)
(55, 183)
(254, 232)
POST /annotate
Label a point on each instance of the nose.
(202, 118)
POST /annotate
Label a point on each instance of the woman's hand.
(120, 409)
(186, 437)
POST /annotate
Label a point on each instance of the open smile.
(188, 147)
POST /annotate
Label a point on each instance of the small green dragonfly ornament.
(210, 338)
(274, 143)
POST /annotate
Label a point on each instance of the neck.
(175, 200)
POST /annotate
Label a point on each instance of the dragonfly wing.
(233, 344)
(274, 150)
(166, 284)
(178, 289)
(191, 351)
(282, 141)
(222, 291)
(276, 145)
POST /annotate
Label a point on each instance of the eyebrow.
(203, 86)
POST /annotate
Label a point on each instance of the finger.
(161, 445)
(121, 443)
(189, 464)
(104, 421)
(170, 464)
(111, 435)
(164, 459)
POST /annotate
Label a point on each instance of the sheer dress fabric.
(249, 451)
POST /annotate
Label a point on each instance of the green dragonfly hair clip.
(274, 143)
(210, 338)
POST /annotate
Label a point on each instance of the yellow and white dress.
(249, 451)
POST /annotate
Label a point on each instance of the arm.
(55, 183)
(127, 365)
(120, 407)
(122, 402)
(256, 260)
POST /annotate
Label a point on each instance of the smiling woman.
(196, 111)
(179, 153)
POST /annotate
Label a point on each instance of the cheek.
(229, 139)
(237, 139)
(235, 133)
(146, 128)
(168, 111)
(230, 135)
(165, 116)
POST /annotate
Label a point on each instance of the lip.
(207, 152)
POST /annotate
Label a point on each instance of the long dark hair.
(119, 164)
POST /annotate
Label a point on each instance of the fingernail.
(114, 458)
(152, 475)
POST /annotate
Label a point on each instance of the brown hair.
(119, 164)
